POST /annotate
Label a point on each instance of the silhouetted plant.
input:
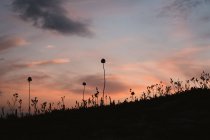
(50, 108)
(126, 100)
(159, 88)
(204, 79)
(110, 100)
(195, 81)
(59, 105)
(20, 107)
(103, 61)
(83, 95)
(144, 96)
(12, 105)
(132, 94)
(89, 102)
(112, 103)
(96, 96)
(187, 85)
(149, 92)
(136, 99)
(29, 104)
(168, 90)
(101, 102)
(77, 105)
(106, 100)
(2, 112)
(177, 85)
(84, 104)
(63, 103)
(93, 101)
(43, 107)
(84, 84)
(34, 104)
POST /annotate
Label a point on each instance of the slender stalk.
(29, 107)
(104, 82)
(83, 98)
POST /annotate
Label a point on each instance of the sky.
(60, 43)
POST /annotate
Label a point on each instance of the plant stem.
(83, 94)
(29, 107)
(104, 82)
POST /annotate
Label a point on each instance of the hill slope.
(182, 116)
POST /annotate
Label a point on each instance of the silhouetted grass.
(177, 111)
(185, 115)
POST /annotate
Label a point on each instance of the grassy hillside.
(184, 115)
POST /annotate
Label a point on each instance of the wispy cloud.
(113, 85)
(50, 46)
(7, 42)
(10, 67)
(50, 15)
(21, 77)
(185, 62)
(182, 7)
(42, 63)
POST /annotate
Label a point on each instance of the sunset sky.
(60, 43)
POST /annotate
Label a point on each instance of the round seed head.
(29, 79)
(103, 60)
(84, 83)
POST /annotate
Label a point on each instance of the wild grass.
(152, 92)
(176, 111)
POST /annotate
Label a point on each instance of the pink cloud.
(11, 42)
(113, 84)
(43, 63)
(185, 62)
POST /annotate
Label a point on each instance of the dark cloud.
(50, 15)
(113, 84)
(7, 42)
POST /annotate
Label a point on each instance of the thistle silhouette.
(132, 94)
(103, 61)
(29, 98)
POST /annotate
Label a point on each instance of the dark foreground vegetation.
(184, 115)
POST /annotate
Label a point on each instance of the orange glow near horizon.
(143, 43)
